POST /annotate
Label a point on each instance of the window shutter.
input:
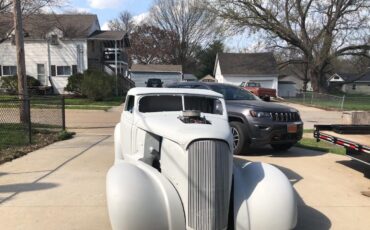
(53, 71)
(0, 70)
(74, 69)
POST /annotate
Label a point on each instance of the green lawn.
(322, 146)
(351, 102)
(13, 135)
(115, 101)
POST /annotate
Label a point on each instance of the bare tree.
(316, 31)
(192, 24)
(122, 23)
(28, 7)
(152, 45)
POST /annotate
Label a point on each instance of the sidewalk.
(62, 186)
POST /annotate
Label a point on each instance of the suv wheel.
(240, 138)
(282, 147)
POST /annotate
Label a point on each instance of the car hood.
(168, 125)
(260, 105)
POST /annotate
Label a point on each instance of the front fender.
(117, 144)
(140, 198)
(263, 197)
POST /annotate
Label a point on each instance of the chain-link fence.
(332, 101)
(21, 119)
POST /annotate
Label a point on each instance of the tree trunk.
(317, 80)
(21, 65)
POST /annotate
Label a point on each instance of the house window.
(41, 73)
(9, 70)
(336, 78)
(354, 87)
(64, 71)
(54, 39)
(53, 71)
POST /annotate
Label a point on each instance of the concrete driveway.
(312, 115)
(62, 186)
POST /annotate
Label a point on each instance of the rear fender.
(139, 197)
(263, 197)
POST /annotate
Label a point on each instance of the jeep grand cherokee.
(254, 122)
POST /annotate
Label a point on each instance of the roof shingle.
(247, 63)
(38, 25)
(156, 68)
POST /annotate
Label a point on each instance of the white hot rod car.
(174, 169)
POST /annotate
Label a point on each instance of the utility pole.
(21, 64)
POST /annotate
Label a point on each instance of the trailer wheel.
(282, 147)
(240, 137)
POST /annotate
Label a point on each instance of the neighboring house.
(234, 68)
(140, 73)
(189, 77)
(59, 45)
(351, 83)
(208, 78)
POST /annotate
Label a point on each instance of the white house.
(351, 83)
(57, 46)
(140, 73)
(234, 68)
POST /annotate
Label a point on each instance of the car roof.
(149, 90)
(207, 84)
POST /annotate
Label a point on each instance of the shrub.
(10, 83)
(97, 85)
(74, 83)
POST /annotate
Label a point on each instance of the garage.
(287, 89)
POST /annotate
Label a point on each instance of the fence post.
(29, 119)
(342, 105)
(312, 97)
(63, 114)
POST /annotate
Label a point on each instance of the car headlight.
(260, 114)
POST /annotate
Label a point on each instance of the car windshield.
(170, 103)
(233, 93)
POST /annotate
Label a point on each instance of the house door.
(41, 76)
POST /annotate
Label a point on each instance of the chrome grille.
(285, 116)
(209, 184)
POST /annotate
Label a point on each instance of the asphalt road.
(62, 186)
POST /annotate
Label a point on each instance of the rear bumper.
(262, 134)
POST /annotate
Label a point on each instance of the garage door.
(287, 89)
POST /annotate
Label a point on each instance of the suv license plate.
(292, 128)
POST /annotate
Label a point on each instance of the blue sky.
(109, 9)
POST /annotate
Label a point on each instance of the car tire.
(282, 147)
(240, 138)
(267, 99)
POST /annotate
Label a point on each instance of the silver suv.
(254, 122)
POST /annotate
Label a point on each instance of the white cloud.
(82, 10)
(140, 18)
(105, 26)
(104, 4)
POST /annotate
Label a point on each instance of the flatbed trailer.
(355, 138)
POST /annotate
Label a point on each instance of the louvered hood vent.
(209, 184)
